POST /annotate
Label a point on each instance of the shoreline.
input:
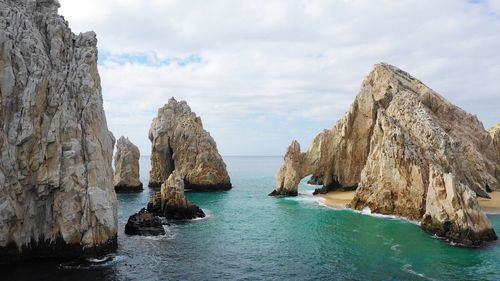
(340, 199)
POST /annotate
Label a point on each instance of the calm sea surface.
(250, 236)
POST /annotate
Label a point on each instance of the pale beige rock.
(56, 189)
(495, 135)
(126, 178)
(171, 202)
(180, 143)
(396, 129)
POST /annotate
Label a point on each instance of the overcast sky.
(262, 73)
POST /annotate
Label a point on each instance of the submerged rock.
(56, 190)
(397, 144)
(126, 178)
(144, 223)
(171, 202)
(180, 143)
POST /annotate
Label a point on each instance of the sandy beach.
(339, 199)
(491, 205)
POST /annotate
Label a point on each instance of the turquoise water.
(250, 236)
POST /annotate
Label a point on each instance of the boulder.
(397, 133)
(56, 190)
(144, 223)
(171, 203)
(180, 143)
(126, 178)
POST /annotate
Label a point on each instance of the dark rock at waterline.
(284, 193)
(174, 212)
(315, 180)
(144, 223)
(128, 189)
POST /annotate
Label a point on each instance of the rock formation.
(171, 203)
(180, 143)
(409, 152)
(495, 135)
(144, 223)
(56, 190)
(126, 178)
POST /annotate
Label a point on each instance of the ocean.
(250, 236)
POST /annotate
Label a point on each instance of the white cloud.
(272, 71)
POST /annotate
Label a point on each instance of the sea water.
(250, 236)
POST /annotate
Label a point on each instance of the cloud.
(262, 73)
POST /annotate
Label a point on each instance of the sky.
(262, 73)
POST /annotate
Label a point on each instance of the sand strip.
(339, 199)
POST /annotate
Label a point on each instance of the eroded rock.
(171, 203)
(144, 223)
(56, 191)
(180, 143)
(126, 177)
(396, 130)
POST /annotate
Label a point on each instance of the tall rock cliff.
(56, 191)
(409, 152)
(180, 143)
(126, 178)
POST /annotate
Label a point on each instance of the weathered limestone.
(126, 178)
(56, 191)
(495, 135)
(397, 134)
(171, 202)
(180, 143)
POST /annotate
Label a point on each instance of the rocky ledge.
(171, 203)
(144, 223)
(408, 152)
(126, 178)
(180, 143)
(56, 190)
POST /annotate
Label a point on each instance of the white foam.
(408, 268)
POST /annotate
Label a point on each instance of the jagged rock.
(171, 202)
(495, 135)
(180, 143)
(144, 223)
(126, 178)
(56, 191)
(395, 131)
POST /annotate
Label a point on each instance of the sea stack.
(180, 143)
(56, 190)
(126, 178)
(408, 152)
(171, 203)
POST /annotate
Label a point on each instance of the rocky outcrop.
(180, 143)
(395, 144)
(171, 203)
(144, 223)
(56, 191)
(126, 178)
(495, 135)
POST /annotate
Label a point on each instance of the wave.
(408, 269)
(104, 261)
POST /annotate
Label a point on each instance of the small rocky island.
(126, 178)
(407, 152)
(180, 143)
(171, 203)
(56, 190)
